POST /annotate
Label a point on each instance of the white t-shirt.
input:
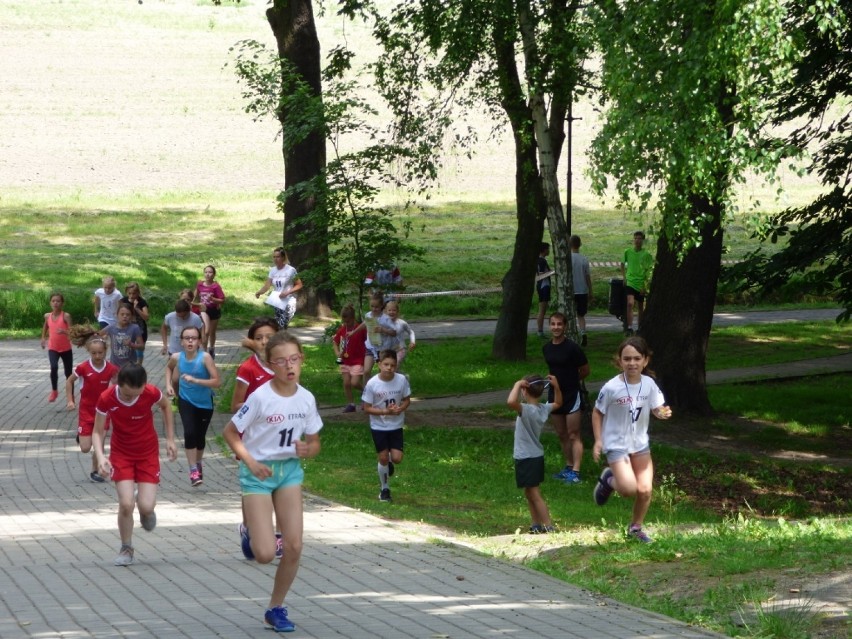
(270, 423)
(626, 409)
(375, 341)
(282, 278)
(383, 394)
(109, 305)
(176, 325)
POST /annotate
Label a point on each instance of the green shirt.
(638, 268)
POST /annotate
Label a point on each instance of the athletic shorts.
(618, 454)
(565, 409)
(356, 370)
(529, 472)
(285, 472)
(581, 301)
(387, 439)
(214, 313)
(544, 294)
(628, 290)
(85, 429)
(142, 471)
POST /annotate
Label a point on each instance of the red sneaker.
(53, 395)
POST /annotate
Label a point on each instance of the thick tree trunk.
(510, 336)
(293, 25)
(679, 315)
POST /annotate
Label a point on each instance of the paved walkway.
(360, 576)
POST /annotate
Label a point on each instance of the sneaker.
(572, 477)
(637, 533)
(245, 542)
(195, 478)
(563, 474)
(95, 478)
(385, 495)
(390, 469)
(548, 529)
(584, 341)
(149, 522)
(279, 545)
(537, 529)
(53, 395)
(125, 556)
(277, 618)
(602, 489)
(350, 408)
(200, 472)
(212, 352)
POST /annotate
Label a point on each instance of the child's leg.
(573, 422)
(67, 362)
(146, 498)
(643, 469)
(288, 510)
(258, 512)
(347, 387)
(383, 469)
(85, 444)
(623, 477)
(126, 504)
(53, 358)
(395, 455)
(212, 325)
(369, 360)
(539, 514)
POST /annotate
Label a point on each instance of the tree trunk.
(679, 314)
(292, 23)
(510, 336)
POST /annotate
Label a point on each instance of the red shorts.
(145, 471)
(85, 428)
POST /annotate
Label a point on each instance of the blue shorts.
(285, 472)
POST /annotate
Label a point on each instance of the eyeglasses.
(283, 361)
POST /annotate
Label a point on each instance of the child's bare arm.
(514, 399)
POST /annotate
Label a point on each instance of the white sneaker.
(125, 556)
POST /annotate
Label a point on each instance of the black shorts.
(387, 439)
(529, 472)
(214, 313)
(544, 294)
(636, 294)
(581, 301)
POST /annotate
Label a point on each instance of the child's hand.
(70, 405)
(171, 450)
(302, 448)
(43, 343)
(170, 392)
(596, 451)
(261, 471)
(163, 350)
(663, 412)
(104, 468)
(553, 381)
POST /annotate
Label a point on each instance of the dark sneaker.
(149, 522)
(563, 474)
(277, 618)
(200, 472)
(385, 495)
(390, 469)
(637, 533)
(350, 408)
(548, 529)
(125, 556)
(572, 477)
(602, 489)
(95, 478)
(279, 545)
(245, 543)
(537, 529)
(195, 478)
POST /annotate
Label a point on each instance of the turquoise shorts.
(285, 472)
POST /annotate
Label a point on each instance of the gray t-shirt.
(176, 325)
(528, 427)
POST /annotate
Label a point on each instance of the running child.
(125, 338)
(405, 340)
(141, 314)
(381, 335)
(620, 422)
(54, 336)
(349, 351)
(196, 375)
(195, 305)
(95, 375)
(210, 295)
(105, 302)
(528, 452)
(285, 282)
(134, 455)
(174, 323)
(272, 422)
(251, 375)
(386, 398)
